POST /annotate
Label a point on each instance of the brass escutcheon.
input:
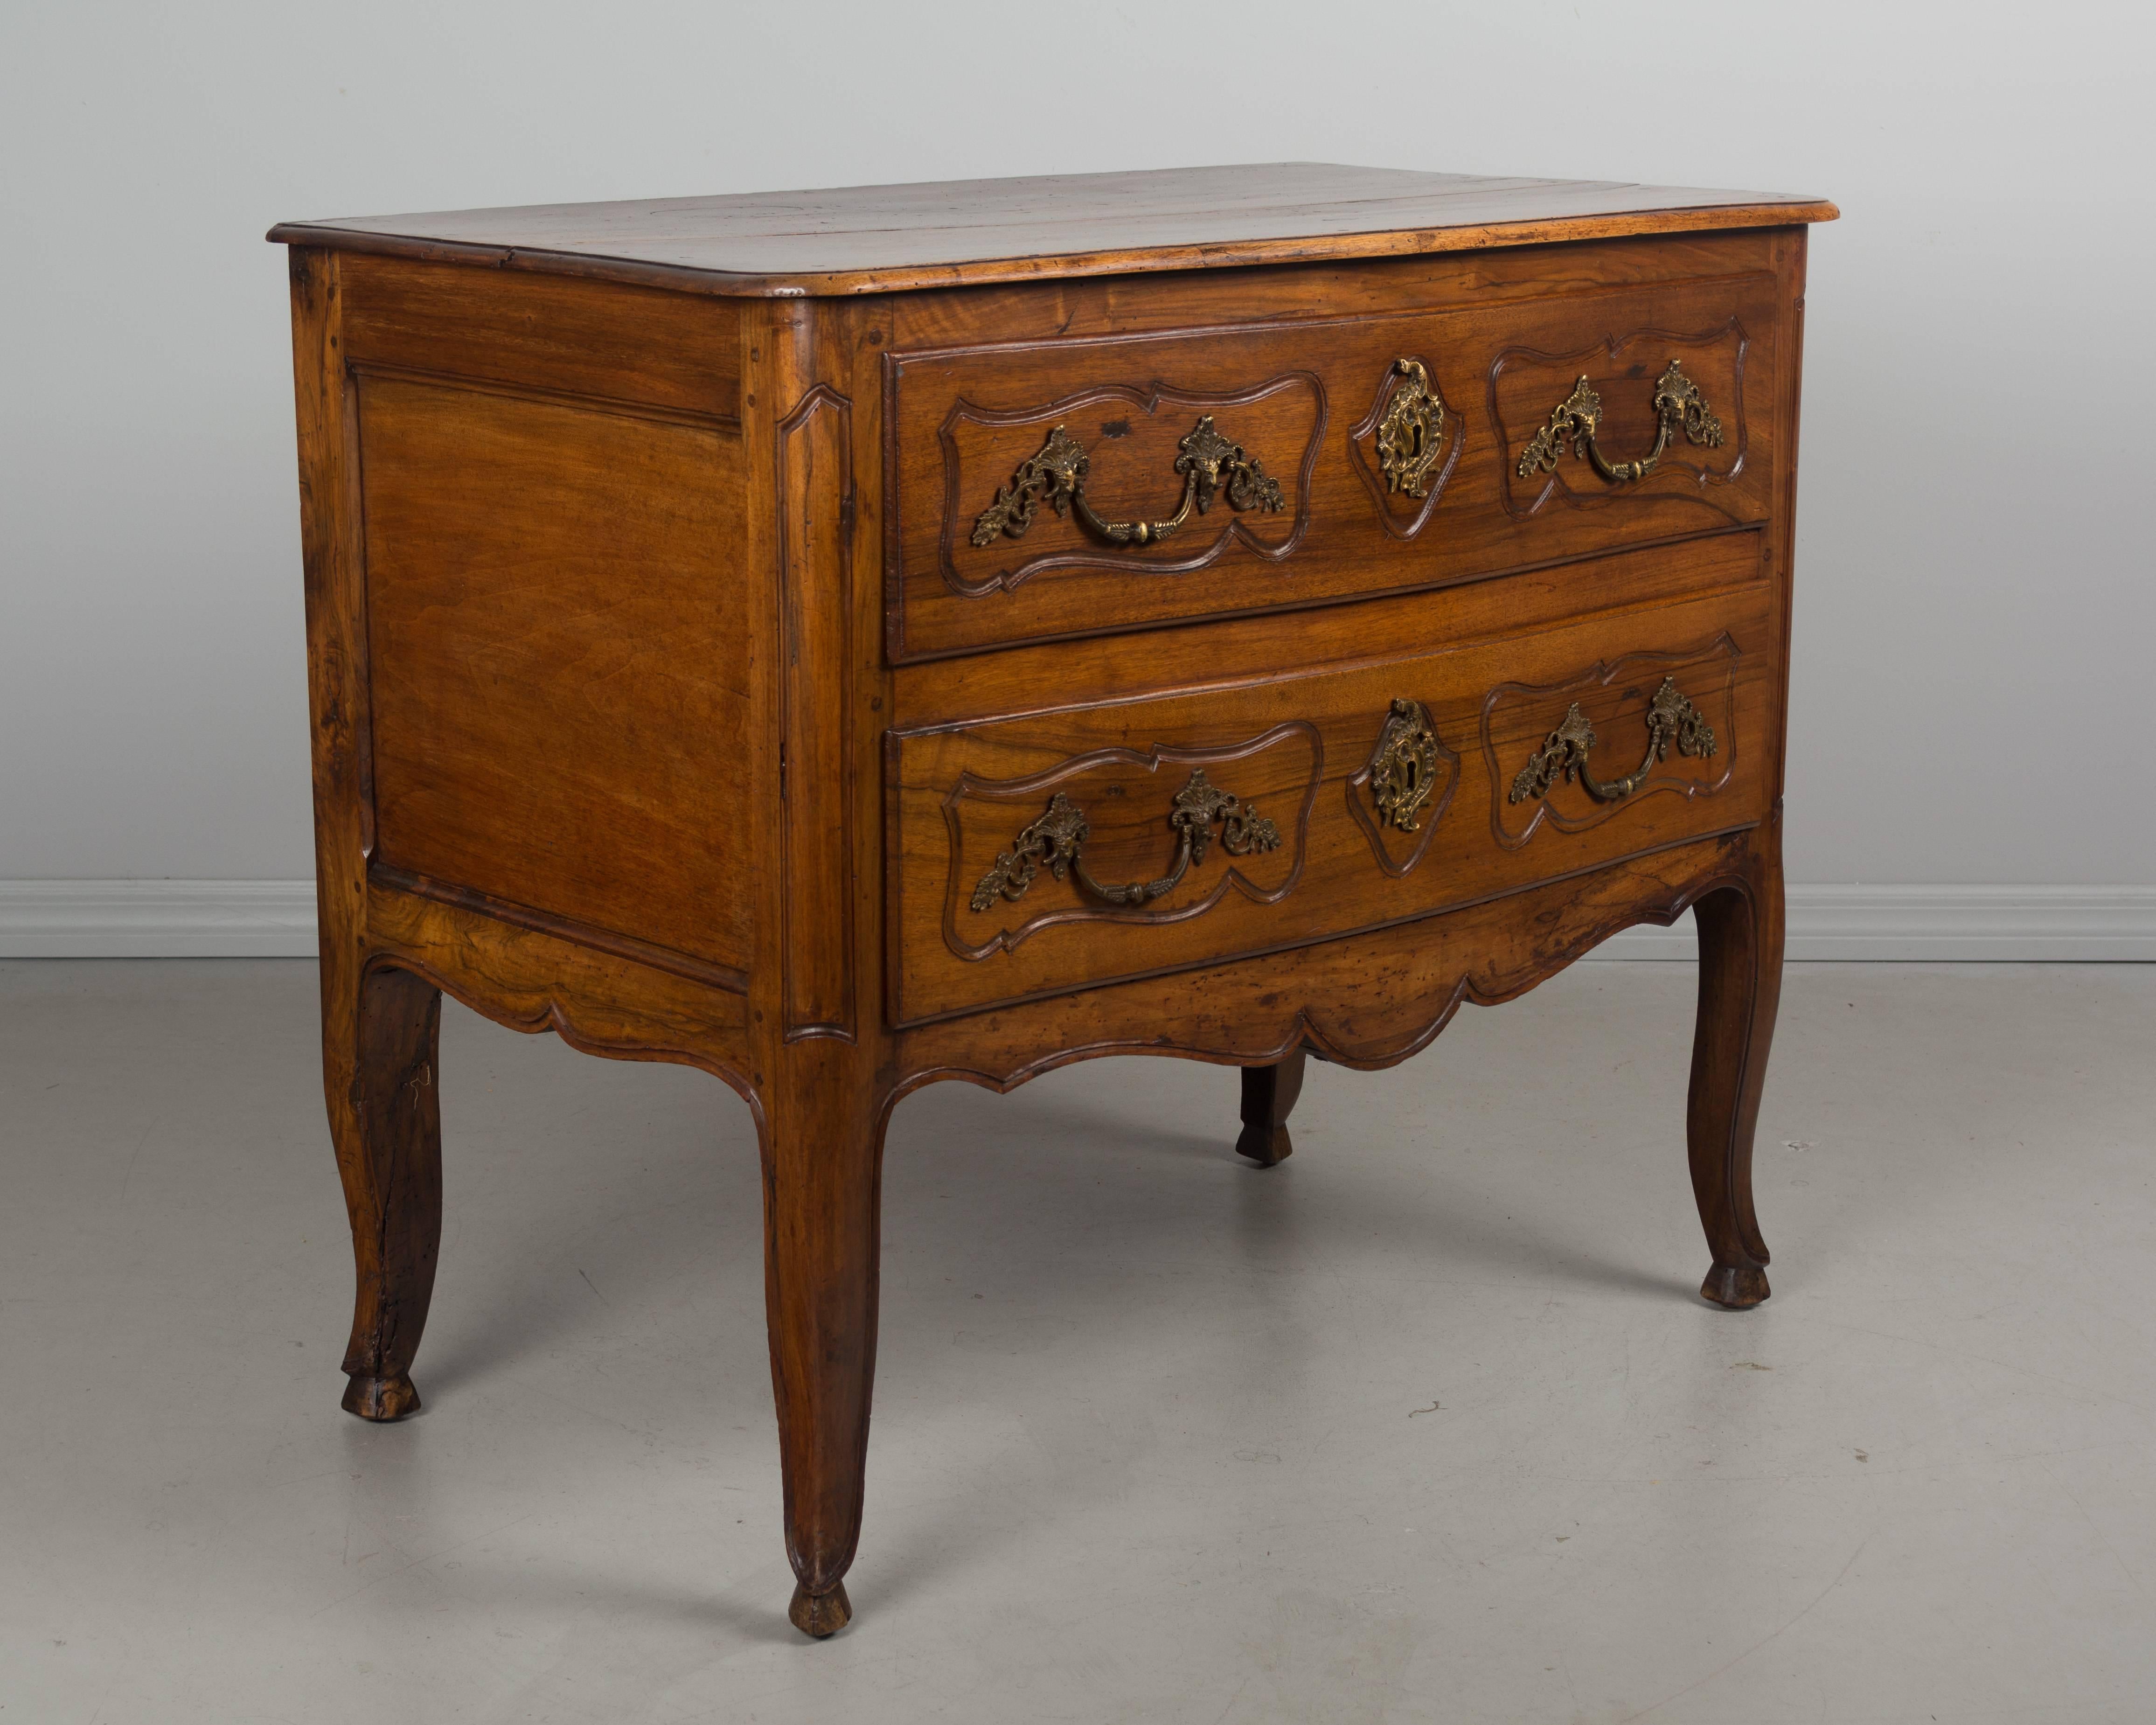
(1058, 836)
(1403, 766)
(1671, 718)
(1678, 403)
(1057, 473)
(1412, 432)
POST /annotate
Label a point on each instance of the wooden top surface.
(885, 238)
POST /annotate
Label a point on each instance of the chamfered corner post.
(1740, 985)
(1268, 1097)
(823, 1059)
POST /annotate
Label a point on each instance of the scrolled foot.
(820, 1615)
(381, 1398)
(1738, 1286)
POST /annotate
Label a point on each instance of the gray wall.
(1975, 592)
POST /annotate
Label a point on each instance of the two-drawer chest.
(846, 639)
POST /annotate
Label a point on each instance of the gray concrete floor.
(1426, 1425)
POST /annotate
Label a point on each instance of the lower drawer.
(1065, 849)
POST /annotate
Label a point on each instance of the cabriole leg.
(823, 1154)
(1740, 985)
(379, 1060)
(1269, 1094)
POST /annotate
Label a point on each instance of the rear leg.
(379, 1060)
(1740, 985)
(1268, 1095)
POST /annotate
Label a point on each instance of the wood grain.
(1193, 657)
(1083, 308)
(544, 334)
(530, 980)
(558, 661)
(888, 239)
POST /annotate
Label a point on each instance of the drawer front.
(1075, 487)
(1060, 850)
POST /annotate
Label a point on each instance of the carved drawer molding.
(1056, 840)
(1207, 461)
(1562, 753)
(1170, 814)
(1122, 471)
(1576, 421)
(1646, 411)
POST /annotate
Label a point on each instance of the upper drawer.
(1075, 487)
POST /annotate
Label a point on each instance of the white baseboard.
(1935, 924)
(275, 919)
(156, 919)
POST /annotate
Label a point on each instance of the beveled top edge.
(889, 239)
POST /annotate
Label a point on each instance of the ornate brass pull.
(1671, 718)
(1057, 474)
(1579, 417)
(1057, 838)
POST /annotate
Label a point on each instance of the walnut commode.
(853, 638)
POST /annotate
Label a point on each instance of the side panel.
(556, 629)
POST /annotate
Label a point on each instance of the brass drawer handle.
(1058, 837)
(1671, 718)
(1677, 403)
(1057, 474)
